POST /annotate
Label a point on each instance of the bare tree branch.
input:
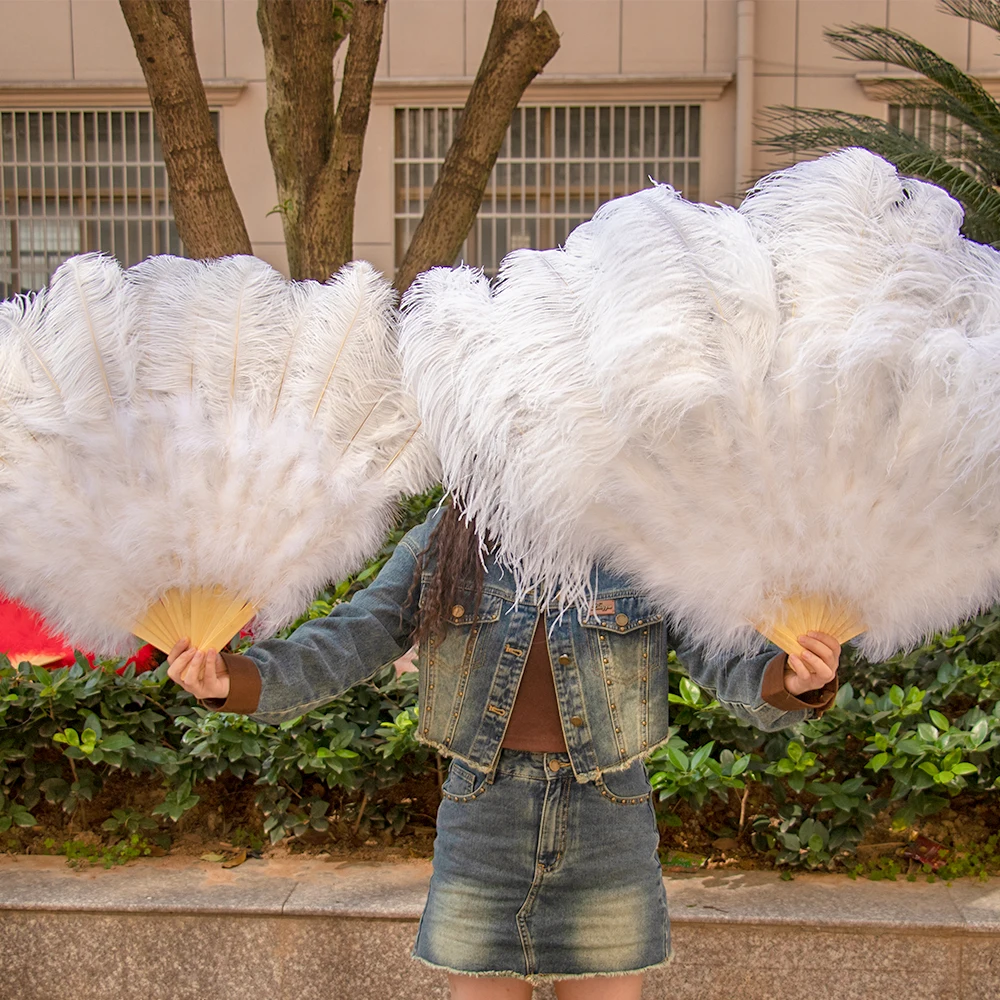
(519, 47)
(206, 213)
(329, 241)
(315, 148)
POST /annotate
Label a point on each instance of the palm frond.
(873, 43)
(955, 131)
(814, 131)
(985, 12)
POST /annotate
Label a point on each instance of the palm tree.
(961, 153)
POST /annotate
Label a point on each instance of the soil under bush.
(226, 818)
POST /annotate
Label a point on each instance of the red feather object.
(24, 637)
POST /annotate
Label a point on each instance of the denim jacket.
(610, 669)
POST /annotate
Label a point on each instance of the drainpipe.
(745, 10)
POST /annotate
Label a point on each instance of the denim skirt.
(539, 876)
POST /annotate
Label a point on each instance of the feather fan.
(185, 445)
(785, 415)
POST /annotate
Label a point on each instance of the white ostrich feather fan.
(185, 445)
(785, 416)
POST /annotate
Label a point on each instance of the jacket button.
(576, 720)
(621, 620)
(457, 611)
(554, 765)
(564, 659)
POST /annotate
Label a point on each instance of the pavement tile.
(395, 892)
(355, 959)
(812, 901)
(980, 969)
(303, 928)
(153, 885)
(795, 949)
(46, 955)
(761, 982)
(979, 904)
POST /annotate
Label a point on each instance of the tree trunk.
(207, 216)
(316, 151)
(519, 47)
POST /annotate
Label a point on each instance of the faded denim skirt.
(539, 876)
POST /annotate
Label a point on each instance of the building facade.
(640, 89)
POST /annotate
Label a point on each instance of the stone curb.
(306, 927)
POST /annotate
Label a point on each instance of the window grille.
(555, 167)
(75, 181)
(939, 130)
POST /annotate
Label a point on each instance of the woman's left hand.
(816, 666)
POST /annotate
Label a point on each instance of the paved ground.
(299, 929)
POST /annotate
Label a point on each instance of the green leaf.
(927, 732)
(690, 691)
(22, 817)
(939, 720)
(878, 762)
(698, 758)
(740, 765)
(794, 751)
(117, 741)
(965, 768)
(93, 723)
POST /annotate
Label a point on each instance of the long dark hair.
(458, 569)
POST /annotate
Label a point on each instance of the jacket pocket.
(463, 783)
(629, 787)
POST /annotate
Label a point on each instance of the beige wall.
(659, 49)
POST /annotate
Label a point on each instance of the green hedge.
(904, 737)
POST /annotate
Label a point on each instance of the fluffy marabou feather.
(798, 398)
(214, 466)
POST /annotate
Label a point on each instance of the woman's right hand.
(202, 672)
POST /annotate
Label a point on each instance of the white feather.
(209, 463)
(798, 398)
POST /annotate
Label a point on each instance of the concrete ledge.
(298, 929)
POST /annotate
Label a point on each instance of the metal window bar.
(939, 130)
(76, 181)
(556, 166)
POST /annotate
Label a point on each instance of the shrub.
(903, 739)
(923, 728)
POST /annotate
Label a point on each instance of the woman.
(545, 862)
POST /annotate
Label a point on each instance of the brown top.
(244, 686)
(535, 716)
(534, 720)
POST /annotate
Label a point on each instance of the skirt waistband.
(532, 764)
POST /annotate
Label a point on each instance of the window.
(74, 181)
(555, 167)
(940, 131)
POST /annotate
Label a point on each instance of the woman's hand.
(202, 672)
(816, 666)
